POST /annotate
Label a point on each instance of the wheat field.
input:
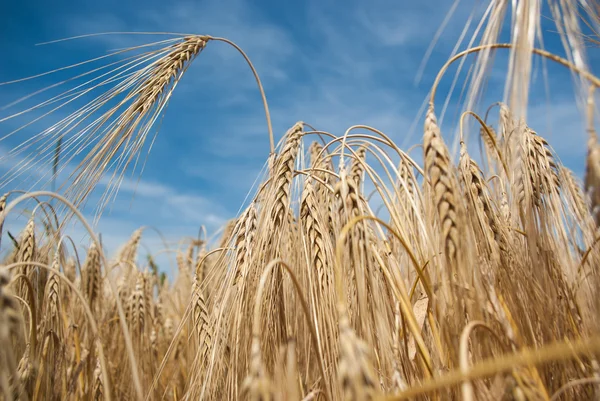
(477, 282)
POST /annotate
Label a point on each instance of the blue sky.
(331, 64)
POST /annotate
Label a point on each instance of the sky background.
(330, 64)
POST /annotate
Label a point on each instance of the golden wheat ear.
(108, 132)
(105, 136)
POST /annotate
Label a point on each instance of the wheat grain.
(26, 253)
(357, 375)
(98, 390)
(258, 385)
(244, 242)
(282, 174)
(91, 275)
(53, 294)
(312, 219)
(437, 167)
(357, 167)
(137, 307)
(166, 71)
(201, 319)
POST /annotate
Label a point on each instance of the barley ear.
(356, 373)
(439, 173)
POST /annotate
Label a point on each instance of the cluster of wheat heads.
(310, 296)
(467, 282)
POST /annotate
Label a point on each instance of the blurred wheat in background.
(480, 283)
